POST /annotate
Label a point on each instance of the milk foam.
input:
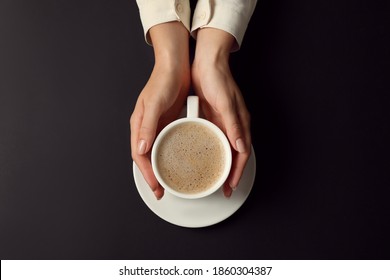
(190, 158)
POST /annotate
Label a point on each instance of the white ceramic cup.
(193, 117)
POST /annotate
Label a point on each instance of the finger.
(238, 165)
(245, 120)
(135, 123)
(147, 129)
(227, 190)
(143, 161)
(240, 159)
(234, 131)
(145, 167)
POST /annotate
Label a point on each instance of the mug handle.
(192, 106)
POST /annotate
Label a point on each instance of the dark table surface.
(314, 74)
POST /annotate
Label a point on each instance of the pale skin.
(164, 95)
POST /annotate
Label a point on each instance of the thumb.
(234, 132)
(147, 130)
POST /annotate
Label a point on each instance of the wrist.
(171, 45)
(213, 47)
(172, 64)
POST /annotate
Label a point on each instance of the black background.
(315, 76)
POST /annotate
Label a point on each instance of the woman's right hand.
(163, 97)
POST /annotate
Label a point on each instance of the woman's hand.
(220, 98)
(163, 96)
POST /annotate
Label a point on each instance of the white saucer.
(198, 212)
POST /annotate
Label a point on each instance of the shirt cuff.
(231, 16)
(153, 12)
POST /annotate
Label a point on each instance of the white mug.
(191, 161)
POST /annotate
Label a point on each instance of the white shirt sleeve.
(231, 16)
(153, 12)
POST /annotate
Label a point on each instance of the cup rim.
(228, 158)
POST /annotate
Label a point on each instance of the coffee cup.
(191, 157)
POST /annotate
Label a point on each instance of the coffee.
(190, 158)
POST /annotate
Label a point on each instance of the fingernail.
(156, 194)
(233, 187)
(240, 145)
(141, 147)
